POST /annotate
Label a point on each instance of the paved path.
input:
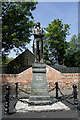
(72, 113)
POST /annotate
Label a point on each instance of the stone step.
(25, 107)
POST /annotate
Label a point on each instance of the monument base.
(39, 86)
(37, 100)
(23, 106)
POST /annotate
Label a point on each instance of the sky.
(46, 12)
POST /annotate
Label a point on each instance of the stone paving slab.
(24, 107)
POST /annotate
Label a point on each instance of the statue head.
(38, 24)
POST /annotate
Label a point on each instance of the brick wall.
(65, 80)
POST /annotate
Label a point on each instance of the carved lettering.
(39, 90)
(39, 77)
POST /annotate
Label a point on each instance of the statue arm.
(40, 34)
(34, 32)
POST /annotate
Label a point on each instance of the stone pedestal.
(39, 86)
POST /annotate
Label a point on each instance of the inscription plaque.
(39, 87)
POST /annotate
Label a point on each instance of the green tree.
(17, 22)
(5, 61)
(55, 40)
(72, 58)
(46, 54)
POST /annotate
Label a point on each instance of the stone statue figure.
(38, 42)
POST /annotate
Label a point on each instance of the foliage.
(5, 61)
(55, 41)
(16, 25)
(72, 58)
(46, 54)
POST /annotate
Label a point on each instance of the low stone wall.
(65, 80)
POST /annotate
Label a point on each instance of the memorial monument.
(39, 86)
(39, 99)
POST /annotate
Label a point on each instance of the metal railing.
(66, 97)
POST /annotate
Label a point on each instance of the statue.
(38, 42)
